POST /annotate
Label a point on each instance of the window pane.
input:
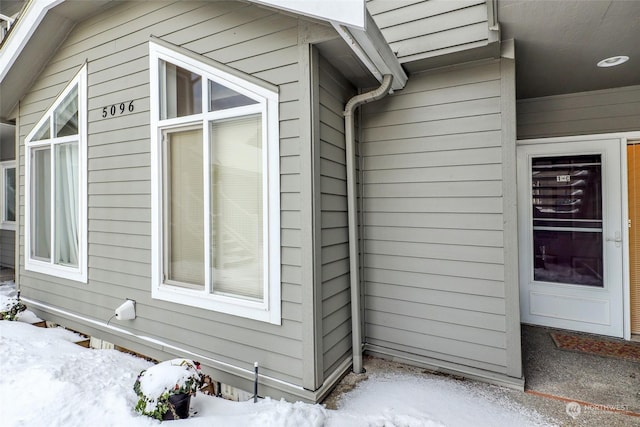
(41, 204)
(184, 207)
(221, 98)
(180, 92)
(10, 194)
(65, 117)
(236, 207)
(66, 206)
(567, 219)
(42, 133)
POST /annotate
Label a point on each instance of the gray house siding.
(434, 233)
(7, 248)
(584, 113)
(334, 92)
(7, 237)
(418, 29)
(114, 43)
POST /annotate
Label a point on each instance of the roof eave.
(32, 15)
(374, 51)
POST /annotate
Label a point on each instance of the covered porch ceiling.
(559, 42)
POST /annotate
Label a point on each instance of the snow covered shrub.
(158, 383)
(10, 307)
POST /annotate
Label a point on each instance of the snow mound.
(46, 380)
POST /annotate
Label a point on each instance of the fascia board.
(351, 13)
(21, 33)
(373, 50)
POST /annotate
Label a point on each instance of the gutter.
(352, 213)
(374, 51)
(493, 26)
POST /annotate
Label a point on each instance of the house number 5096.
(117, 109)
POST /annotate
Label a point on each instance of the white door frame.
(624, 137)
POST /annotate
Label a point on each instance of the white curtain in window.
(41, 204)
(66, 207)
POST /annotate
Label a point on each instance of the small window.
(8, 195)
(216, 184)
(55, 187)
(222, 98)
(181, 91)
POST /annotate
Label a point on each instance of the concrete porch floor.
(610, 384)
(607, 389)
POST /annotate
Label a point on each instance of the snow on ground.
(46, 380)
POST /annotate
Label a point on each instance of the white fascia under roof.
(368, 44)
(374, 51)
(352, 21)
(32, 15)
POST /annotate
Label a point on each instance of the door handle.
(617, 239)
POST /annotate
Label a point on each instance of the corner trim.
(510, 217)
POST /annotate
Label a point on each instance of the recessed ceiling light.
(613, 61)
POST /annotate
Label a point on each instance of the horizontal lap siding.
(115, 45)
(584, 113)
(433, 219)
(7, 248)
(418, 29)
(334, 92)
(7, 237)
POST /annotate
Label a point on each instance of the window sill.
(259, 311)
(11, 226)
(75, 274)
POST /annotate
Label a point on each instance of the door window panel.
(567, 220)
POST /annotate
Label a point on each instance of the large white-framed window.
(55, 186)
(8, 195)
(215, 187)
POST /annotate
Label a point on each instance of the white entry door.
(570, 232)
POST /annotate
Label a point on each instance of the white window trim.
(269, 309)
(4, 223)
(78, 274)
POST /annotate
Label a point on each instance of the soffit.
(338, 54)
(11, 7)
(40, 47)
(558, 44)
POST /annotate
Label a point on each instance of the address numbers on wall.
(117, 109)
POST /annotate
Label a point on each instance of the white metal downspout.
(352, 213)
